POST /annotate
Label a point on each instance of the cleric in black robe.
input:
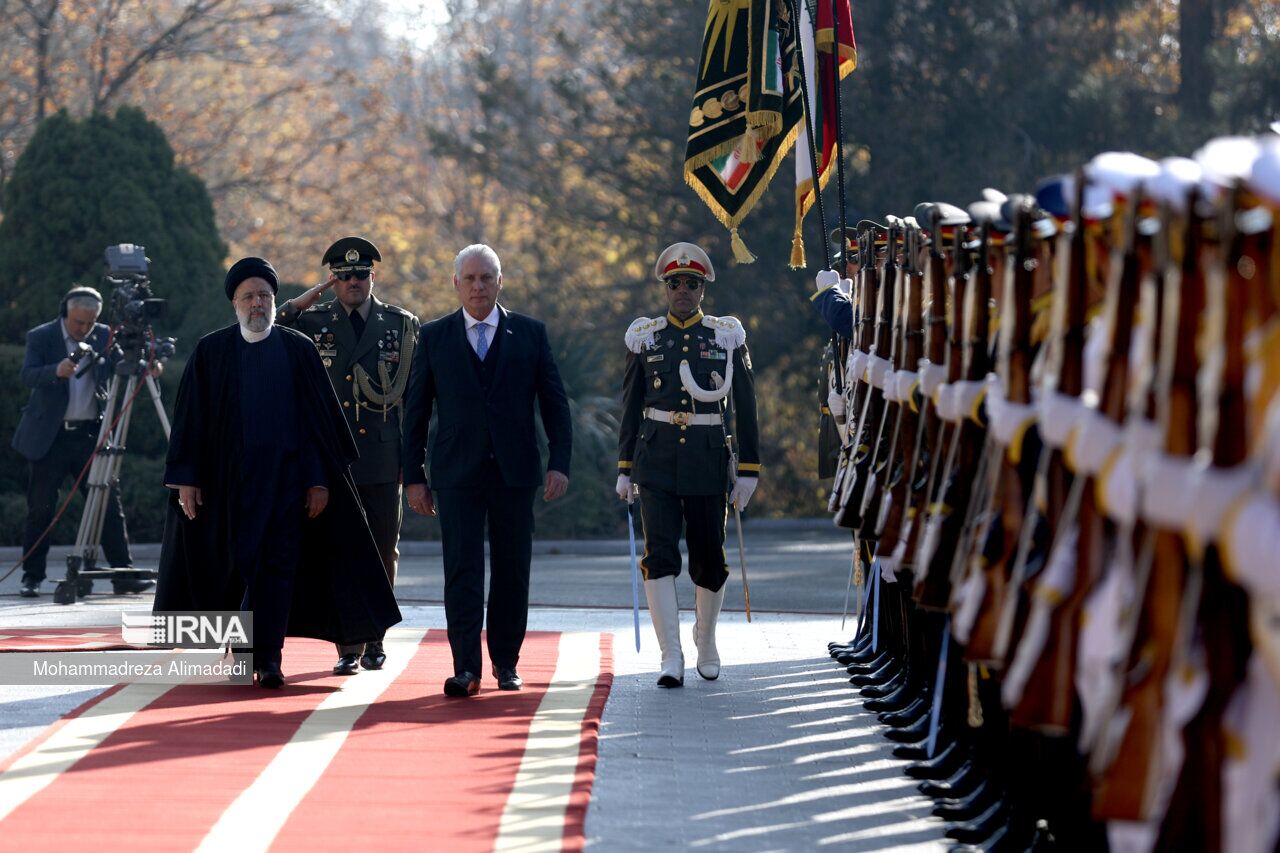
(261, 491)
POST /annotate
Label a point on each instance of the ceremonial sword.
(635, 572)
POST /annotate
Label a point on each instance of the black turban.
(250, 268)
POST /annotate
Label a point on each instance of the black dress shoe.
(374, 657)
(942, 765)
(347, 665)
(961, 784)
(270, 676)
(970, 807)
(904, 692)
(982, 827)
(916, 751)
(883, 675)
(462, 685)
(916, 733)
(508, 678)
(30, 588)
(908, 716)
(889, 688)
(131, 586)
(84, 586)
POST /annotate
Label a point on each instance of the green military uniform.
(369, 373)
(682, 469)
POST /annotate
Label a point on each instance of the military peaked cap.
(683, 259)
(351, 254)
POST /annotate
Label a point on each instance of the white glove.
(742, 491)
(623, 488)
(846, 286)
(826, 278)
(835, 402)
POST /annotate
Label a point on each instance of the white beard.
(255, 329)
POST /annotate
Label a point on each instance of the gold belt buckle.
(680, 418)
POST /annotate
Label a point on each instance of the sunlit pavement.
(777, 754)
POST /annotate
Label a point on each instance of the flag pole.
(794, 6)
(835, 87)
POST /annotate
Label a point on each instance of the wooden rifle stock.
(882, 445)
(1013, 486)
(856, 389)
(930, 424)
(848, 513)
(910, 351)
(1126, 788)
(1041, 705)
(1194, 817)
(955, 484)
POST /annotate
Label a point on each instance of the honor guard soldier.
(367, 347)
(688, 399)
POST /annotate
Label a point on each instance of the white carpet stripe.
(533, 818)
(36, 770)
(254, 818)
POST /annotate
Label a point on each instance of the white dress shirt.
(473, 331)
(82, 401)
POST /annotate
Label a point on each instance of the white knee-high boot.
(707, 606)
(665, 611)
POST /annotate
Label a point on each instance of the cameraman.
(59, 430)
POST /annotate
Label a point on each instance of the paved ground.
(799, 566)
(775, 755)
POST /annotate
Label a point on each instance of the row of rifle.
(1061, 467)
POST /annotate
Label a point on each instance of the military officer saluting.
(367, 347)
(687, 389)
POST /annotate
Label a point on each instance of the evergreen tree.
(82, 185)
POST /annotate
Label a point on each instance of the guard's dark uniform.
(682, 469)
(369, 368)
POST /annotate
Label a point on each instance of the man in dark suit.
(482, 368)
(361, 341)
(59, 430)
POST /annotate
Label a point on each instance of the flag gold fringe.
(749, 146)
(797, 251)
(741, 253)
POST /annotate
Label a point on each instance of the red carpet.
(415, 771)
(63, 639)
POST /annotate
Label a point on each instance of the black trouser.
(384, 508)
(463, 512)
(66, 458)
(702, 519)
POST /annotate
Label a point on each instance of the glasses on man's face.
(250, 298)
(689, 283)
(358, 275)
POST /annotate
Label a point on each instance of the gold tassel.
(797, 251)
(741, 253)
(749, 147)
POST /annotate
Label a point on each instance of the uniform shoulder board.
(641, 331)
(729, 331)
(395, 309)
(318, 307)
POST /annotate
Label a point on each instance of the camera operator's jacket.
(389, 338)
(42, 416)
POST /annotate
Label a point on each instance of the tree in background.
(82, 185)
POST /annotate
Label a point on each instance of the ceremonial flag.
(822, 101)
(746, 108)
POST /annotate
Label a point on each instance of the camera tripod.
(104, 473)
